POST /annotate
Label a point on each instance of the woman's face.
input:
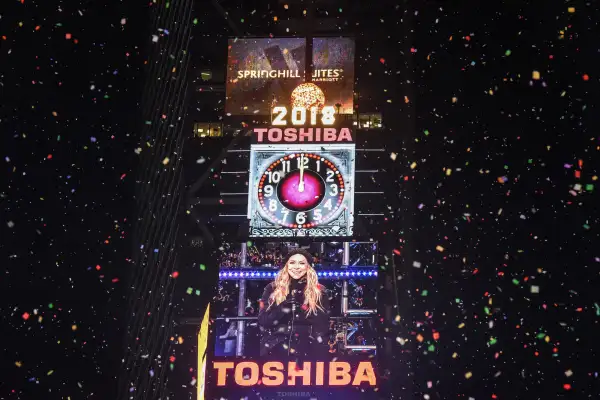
(297, 266)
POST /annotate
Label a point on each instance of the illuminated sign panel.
(202, 346)
(264, 72)
(292, 373)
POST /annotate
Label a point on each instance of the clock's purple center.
(291, 196)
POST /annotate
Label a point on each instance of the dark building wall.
(158, 195)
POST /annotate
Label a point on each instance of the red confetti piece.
(586, 77)
(175, 274)
(49, 157)
(98, 267)
(567, 386)
(382, 60)
(397, 252)
(68, 36)
(25, 316)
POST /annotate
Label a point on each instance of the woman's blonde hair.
(312, 292)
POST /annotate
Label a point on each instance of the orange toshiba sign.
(275, 373)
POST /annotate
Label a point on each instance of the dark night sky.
(501, 197)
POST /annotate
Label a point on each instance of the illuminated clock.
(301, 190)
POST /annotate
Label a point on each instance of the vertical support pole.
(344, 307)
(345, 263)
(241, 325)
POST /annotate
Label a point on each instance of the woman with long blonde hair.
(294, 311)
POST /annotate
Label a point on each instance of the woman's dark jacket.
(282, 328)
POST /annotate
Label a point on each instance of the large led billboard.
(263, 349)
(263, 72)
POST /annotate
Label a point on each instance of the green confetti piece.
(197, 292)
(171, 366)
(541, 335)
(506, 167)
(493, 341)
(457, 300)
(515, 281)
(51, 306)
(597, 309)
(195, 21)
(431, 348)
(426, 132)
(189, 290)
(586, 226)
(58, 138)
(424, 293)
(50, 372)
(167, 5)
(507, 53)
(203, 267)
(589, 187)
(487, 310)
(148, 122)
(530, 161)
(249, 243)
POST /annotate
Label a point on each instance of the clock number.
(300, 218)
(327, 204)
(304, 163)
(279, 112)
(274, 176)
(330, 175)
(334, 189)
(317, 214)
(328, 115)
(318, 165)
(284, 214)
(285, 166)
(272, 205)
(268, 191)
(298, 119)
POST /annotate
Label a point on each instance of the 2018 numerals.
(298, 115)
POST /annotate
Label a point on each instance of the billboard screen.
(263, 72)
(263, 349)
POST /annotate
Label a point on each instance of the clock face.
(301, 190)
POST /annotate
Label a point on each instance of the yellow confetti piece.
(413, 165)
(454, 99)
(449, 172)
(419, 338)
(166, 161)
(571, 10)
(73, 327)
(468, 375)
(454, 355)
(547, 339)
(397, 319)
(19, 364)
(462, 325)
(535, 75)
(54, 113)
(439, 248)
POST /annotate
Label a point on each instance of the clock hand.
(301, 184)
